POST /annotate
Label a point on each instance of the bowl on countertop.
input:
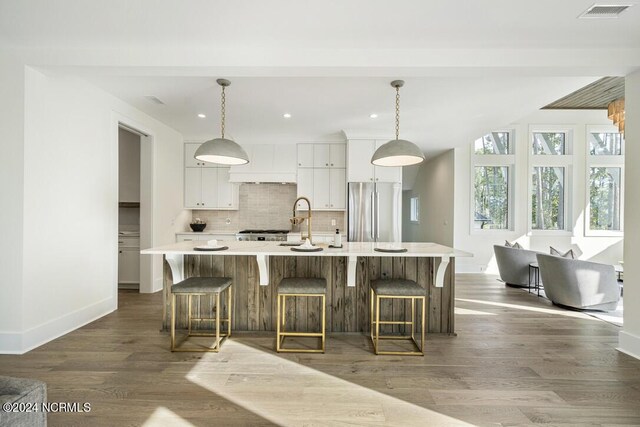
(198, 227)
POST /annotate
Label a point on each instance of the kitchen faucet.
(297, 220)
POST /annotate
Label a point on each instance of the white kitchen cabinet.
(226, 190)
(359, 154)
(190, 161)
(337, 188)
(305, 155)
(209, 188)
(321, 189)
(129, 265)
(305, 186)
(321, 155)
(192, 187)
(338, 156)
(360, 169)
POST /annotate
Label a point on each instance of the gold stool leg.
(229, 302)
(278, 326)
(173, 321)
(323, 321)
(375, 344)
(413, 318)
(189, 314)
(218, 314)
(371, 314)
(424, 315)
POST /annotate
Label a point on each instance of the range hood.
(267, 163)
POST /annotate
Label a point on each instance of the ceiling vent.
(605, 10)
(153, 99)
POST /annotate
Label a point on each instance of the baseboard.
(16, 343)
(629, 344)
(10, 343)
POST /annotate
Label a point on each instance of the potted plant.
(198, 225)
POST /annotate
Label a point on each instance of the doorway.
(135, 209)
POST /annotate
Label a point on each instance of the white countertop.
(349, 249)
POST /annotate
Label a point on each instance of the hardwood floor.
(517, 360)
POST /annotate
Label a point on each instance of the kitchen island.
(257, 267)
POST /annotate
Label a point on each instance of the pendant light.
(221, 150)
(398, 152)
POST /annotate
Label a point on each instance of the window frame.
(552, 160)
(417, 210)
(494, 160)
(608, 161)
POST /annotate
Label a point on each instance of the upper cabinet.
(321, 176)
(206, 185)
(267, 163)
(338, 155)
(359, 167)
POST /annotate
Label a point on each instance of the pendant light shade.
(397, 152)
(222, 150)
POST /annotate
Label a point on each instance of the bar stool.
(397, 289)
(299, 287)
(212, 286)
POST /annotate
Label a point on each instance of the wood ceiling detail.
(594, 96)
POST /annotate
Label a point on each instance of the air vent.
(605, 10)
(153, 99)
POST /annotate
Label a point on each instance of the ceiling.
(470, 66)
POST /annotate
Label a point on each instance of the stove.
(262, 235)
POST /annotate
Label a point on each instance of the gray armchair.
(513, 264)
(579, 284)
(27, 391)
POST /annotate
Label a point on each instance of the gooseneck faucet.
(297, 220)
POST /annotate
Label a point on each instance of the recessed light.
(202, 116)
(373, 116)
(286, 115)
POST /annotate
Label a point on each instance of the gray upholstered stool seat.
(194, 285)
(210, 287)
(397, 287)
(302, 285)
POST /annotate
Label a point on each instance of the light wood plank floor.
(517, 360)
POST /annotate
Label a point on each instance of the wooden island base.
(347, 308)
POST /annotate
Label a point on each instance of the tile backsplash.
(267, 206)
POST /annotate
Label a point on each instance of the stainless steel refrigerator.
(374, 212)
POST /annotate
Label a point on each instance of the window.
(493, 143)
(492, 197)
(605, 168)
(493, 163)
(549, 143)
(550, 166)
(547, 198)
(604, 198)
(414, 209)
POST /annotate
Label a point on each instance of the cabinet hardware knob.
(331, 164)
(377, 179)
(299, 164)
(326, 164)
(120, 251)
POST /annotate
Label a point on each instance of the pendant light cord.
(397, 112)
(223, 117)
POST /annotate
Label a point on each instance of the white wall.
(434, 186)
(11, 194)
(629, 340)
(70, 208)
(600, 249)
